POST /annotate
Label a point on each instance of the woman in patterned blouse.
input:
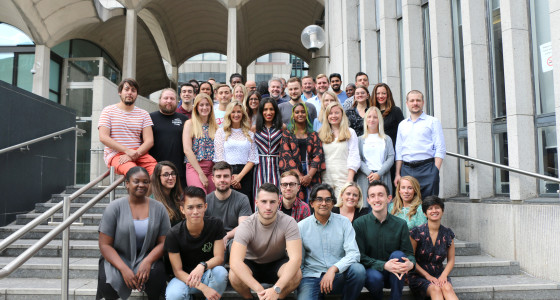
(310, 162)
(357, 113)
(407, 203)
(235, 144)
(198, 143)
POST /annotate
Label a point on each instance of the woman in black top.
(350, 202)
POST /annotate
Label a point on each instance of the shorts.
(268, 272)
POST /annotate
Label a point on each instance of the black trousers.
(427, 175)
(154, 287)
(246, 184)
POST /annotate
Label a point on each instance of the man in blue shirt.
(420, 146)
(336, 84)
(330, 253)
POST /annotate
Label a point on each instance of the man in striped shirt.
(126, 132)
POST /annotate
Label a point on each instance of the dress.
(268, 146)
(429, 257)
(339, 157)
(418, 219)
(355, 121)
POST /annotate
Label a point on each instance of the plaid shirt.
(300, 209)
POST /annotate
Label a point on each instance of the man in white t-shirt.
(223, 95)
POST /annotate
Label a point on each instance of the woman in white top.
(235, 144)
(376, 152)
(328, 98)
(340, 145)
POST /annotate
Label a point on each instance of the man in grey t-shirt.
(226, 204)
(294, 91)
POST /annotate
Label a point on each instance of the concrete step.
(83, 198)
(511, 287)
(76, 232)
(94, 190)
(78, 248)
(87, 219)
(483, 265)
(463, 248)
(99, 208)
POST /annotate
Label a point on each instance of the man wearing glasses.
(292, 205)
(331, 257)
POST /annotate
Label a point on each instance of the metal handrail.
(503, 167)
(45, 137)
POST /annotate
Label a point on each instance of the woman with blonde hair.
(240, 93)
(340, 147)
(198, 143)
(350, 202)
(328, 98)
(407, 204)
(235, 144)
(376, 152)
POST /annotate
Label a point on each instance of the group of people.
(229, 146)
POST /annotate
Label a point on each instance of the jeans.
(215, 278)
(376, 281)
(349, 283)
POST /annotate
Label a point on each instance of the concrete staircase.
(475, 276)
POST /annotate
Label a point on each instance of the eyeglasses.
(289, 184)
(327, 200)
(167, 175)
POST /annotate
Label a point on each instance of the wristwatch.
(277, 289)
(204, 264)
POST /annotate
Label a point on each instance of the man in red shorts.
(126, 132)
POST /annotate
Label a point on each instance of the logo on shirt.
(207, 247)
(177, 122)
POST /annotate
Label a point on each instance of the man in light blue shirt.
(330, 253)
(322, 85)
(420, 146)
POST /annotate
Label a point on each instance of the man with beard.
(126, 132)
(188, 92)
(275, 89)
(168, 132)
(227, 204)
(336, 83)
(258, 253)
(322, 85)
(294, 91)
(308, 84)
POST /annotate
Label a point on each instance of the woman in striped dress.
(268, 137)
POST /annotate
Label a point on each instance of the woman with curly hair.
(310, 163)
(408, 202)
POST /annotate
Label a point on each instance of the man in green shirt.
(384, 243)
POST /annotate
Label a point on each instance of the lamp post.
(313, 39)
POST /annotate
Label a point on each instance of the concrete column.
(335, 37)
(174, 77)
(554, 8)
(129, 55)
(413, 41)
(368, 42)
(445, 99)
(519, 97)
(42, 71)
(479, 101)
(390, 48)
(231, 64)
(350, 36)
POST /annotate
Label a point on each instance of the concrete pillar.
(42, 71)
(231, 64)
(129, 55)
(350, 36)
(519, 97)
(479, 101)
(390, 48)
(333, 30)
(413, 41)
(244, 72)
(368, 43)
(554, 8)
(174, 80)
(445, 99)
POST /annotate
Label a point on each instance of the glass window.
(459, 64)
(263, 77)
(24, 65)
(264, 58)
(11, 36)
(542, 57)
(548, 158)
(399, 8)
(83, 48)
(463, 169)
(7, 67)
(379, 70)
(428, 60)
(501, 157)
(54, 81)
(498, 87)
(62, 49)
(80, 100)
(197, 57)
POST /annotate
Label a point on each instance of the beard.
(336, 88)
(167, 111)
(223, 191)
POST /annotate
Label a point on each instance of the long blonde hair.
(197, 122)
(360, 196)
(325, 133)
(244, 89)
(322, 111)
(381, 131)
(416, 201)
(245, 125)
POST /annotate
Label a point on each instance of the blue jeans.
(215, 278)
(349, 283)
(376, 281)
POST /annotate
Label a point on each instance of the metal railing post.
(112, 179)
(65, 250)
